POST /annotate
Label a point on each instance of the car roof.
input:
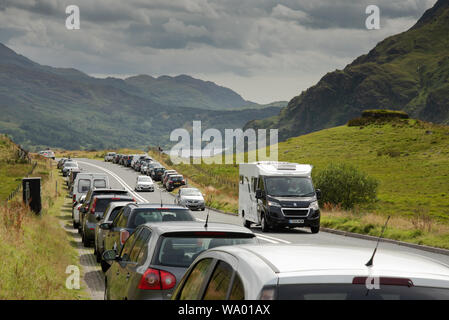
(305, 258)
(157, 206)
(113, 195)
(186, 226)
(109, 190)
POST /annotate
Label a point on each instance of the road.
(121, 177)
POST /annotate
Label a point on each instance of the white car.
(191, 198)
(109, 156)
(313, 272)
(144, 183)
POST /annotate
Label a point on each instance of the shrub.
(344, 185)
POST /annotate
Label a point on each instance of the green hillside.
(43, 106)
(408, 71)
(409, 158)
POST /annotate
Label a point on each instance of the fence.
(19, 187)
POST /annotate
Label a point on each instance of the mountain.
(408, 72)
(66, 108)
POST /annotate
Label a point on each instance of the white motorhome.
(278, 194)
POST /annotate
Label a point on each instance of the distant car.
(116, 158)
(156, 172)
(47, 154)
(155, 257)
(109, 156)
(109, 215)
(68, 166)
(95, 213)
(135, 214)
(312, 272)
(166, 172)
(192, 198)
(173, 181)
(60, 163)
(144, 183)
(84, 181)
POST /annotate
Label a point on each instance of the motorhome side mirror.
(260, 194)
(318, 194)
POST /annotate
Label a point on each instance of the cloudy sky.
(266, 50)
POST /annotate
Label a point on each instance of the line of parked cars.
(160, 251)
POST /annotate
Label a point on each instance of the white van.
(84, 181)
(278, 194)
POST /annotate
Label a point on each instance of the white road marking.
(276, 239)
(119, 180)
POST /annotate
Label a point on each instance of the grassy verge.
(409, 158)
(35, 250)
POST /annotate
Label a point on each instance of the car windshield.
(70, 164)
(181, 251)
(191, 192)
(289, 187)
(359, 292)
(141, 216)
(102, 204)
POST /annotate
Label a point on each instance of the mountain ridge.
(408, 72)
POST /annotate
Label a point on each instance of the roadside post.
(32, 193)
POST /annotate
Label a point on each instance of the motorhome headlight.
(274, 204)
(314, 205)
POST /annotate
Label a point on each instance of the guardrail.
(19, 187)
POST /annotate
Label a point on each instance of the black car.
(95, 192)
(95, 212)
(156, 172)
(135, 214)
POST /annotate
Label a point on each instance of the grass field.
(35, 250)
(410, 159)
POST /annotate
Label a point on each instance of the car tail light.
(92, 210)
(124, 235)
(154, 279)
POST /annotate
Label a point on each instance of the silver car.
(144, 183)
(312, 272)
(155, 257)
(109, 215)
(191, 198)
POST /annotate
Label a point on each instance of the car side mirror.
(110, 255)
(106, 226)
(318, 194)
(260, 194)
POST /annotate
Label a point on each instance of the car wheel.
(98, 255)
(264, 224)
(246, 223)
(315, 229)
(75, 225)
(104, 265)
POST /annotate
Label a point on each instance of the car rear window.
(141, 216)
(83, 185)
(359, 292)
(176, 178)
(102, 204)
(181, 251)
(100, 183)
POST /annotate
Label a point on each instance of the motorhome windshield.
(289, 187)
